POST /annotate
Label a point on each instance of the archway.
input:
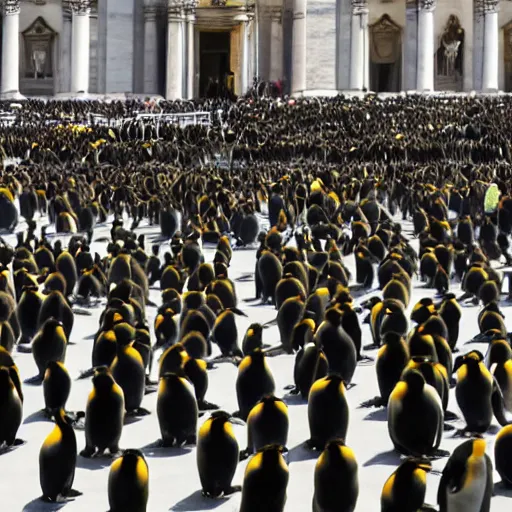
(38, 59)
(449, 64)
(507, 55)
(385, 55)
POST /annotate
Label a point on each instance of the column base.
(12, 95)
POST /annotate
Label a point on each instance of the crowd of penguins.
(320, 214)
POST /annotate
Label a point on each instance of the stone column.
(244, 72)
(410, 46)
(190, 55)
(299, 46)
(491, 47)
(174, 86)
(10, 47)
(359, 55)
(65, 51)
(150, 49)
(276, 44)
(343, 24)
(80, 41)
(478, 43)
(426, 47)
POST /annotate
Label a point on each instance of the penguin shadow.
(196, 502)
(36, 380)
(291, 399)
(38, 505)
(4, 449)
(389, 458)
(94, 463)
(500, 489)
(156, 450)
(301, 453)
(380, 414)
(36, 417)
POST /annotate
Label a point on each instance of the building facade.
(182, 48)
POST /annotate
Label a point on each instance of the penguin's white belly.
(470, 497)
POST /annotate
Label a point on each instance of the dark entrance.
(215, 49)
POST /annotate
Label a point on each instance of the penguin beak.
(237, 421)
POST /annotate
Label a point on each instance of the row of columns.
(80, 35)
(181, 51)
(419, 42)
(271, 16)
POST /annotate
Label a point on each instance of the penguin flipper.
(498, 405)
(378, 401)
(86, 374)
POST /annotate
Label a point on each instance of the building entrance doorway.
(215, 74)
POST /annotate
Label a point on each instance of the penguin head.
(415, 381)
(125, 334)
(193, 300)
(423, 310)
(471, 359)
(50, 326)
(63, 420)
(412, 464)
(392, 339)
(334, 315)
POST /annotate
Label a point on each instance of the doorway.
(385, 55)
(214, 62)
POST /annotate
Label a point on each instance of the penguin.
(217, 455)
(176, 410)
(225, 334)
(27, 312)
(415, 416)
(11, 408)
(265, 481)
(7, 361)
(405, 489)
(55, 305)
(466, 483)
(128, 369)
(269, 270)
(166, 327)
(502, 455)
(128, 483)
(501, 369)
(56, 387)
(337, 345)
(104, 415)
(267, 424)
(392, 359)
(288, 286)
(49, 344)
(451, 313)
(253, 382)
(252, 338)
(478, 394)
(310, 365)
(65, 264)
(328, 411)
(434, 374)
(290, 313)
(337, 463)
(57, 461)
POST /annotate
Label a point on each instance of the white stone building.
(176, 48)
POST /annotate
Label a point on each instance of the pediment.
(39, 29)
(385, 24)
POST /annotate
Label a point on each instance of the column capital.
(79, 7)
(10, 6)
(175, 10)
(486, 6)
(427, 5)
(359, 7)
